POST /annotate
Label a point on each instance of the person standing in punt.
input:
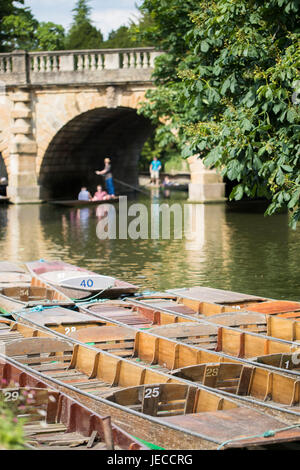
(106, 172)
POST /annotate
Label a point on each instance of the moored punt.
(255, 383)
(235, 343)
(143, 315)
(222, 300)
(116, 339)
(167, 311)
(19, 297)
(124, 312)
(60, 319)
(13, 274)
(262, 387)
(166, 411)
(54, 421)
(76, 282)
(169, 347)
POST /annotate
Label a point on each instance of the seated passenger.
(100, 195)
(84, 195)
(167, 182)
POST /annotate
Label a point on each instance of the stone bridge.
(62, 113)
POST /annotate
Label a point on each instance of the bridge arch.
(80, 146)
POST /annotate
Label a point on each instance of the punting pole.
(130, 186)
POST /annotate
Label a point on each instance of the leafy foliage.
(18, 27)
(228, 84)
(20, 30)
(50, 37)
(83, 35)
(11, 429)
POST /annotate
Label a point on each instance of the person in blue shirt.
(84, 195)
(155, 168)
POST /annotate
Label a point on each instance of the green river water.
(234, 248)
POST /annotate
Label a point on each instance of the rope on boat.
(91, 299)
(270, 433)
(38, 308)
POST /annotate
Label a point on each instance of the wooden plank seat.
(157, 399)
(230, 377)
(115, 339)
(39, 350)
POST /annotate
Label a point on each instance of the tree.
(133, 35)
(18, 25)
(50, 37)
(83, 35)
(20, 30)
(228, 84)
(119, 38)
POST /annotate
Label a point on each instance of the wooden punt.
(141, 314)
(76, 282)
(13, 274)
(268, 389)
(186, 306)
(165, 410)
(54, 421)
(19, 297)
(166, 312)
(77, 203)
(195, 296)
(60, 319)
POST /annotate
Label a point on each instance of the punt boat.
(13, 275)
(243, 339)
(77, 203)
(77, 283)
(166, 311)
(241, 379)
(19, 290)
(143, 314)
(222, 300)
(54, 421)
(165, 410)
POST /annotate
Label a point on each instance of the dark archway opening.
(80, 147)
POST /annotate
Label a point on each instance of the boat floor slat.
(45, 428)
(50, 367)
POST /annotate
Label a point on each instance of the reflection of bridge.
(61, 113)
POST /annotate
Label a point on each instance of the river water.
(234, 248)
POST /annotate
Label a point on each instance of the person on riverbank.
(84, 195)
(100, 195)
(107, 173)
(155, 168)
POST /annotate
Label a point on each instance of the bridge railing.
(84, 66)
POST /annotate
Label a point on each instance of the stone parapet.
(103, 66)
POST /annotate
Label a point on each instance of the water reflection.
(222, 248)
